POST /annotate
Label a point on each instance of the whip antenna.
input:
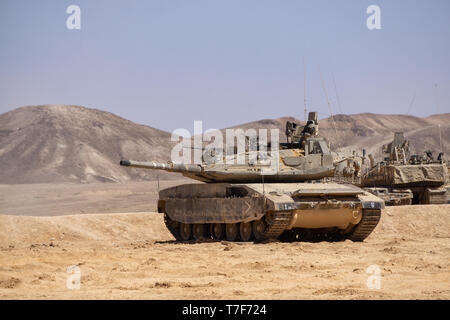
(329, 107)
(437, 111)
(304, 89)
(411, 104)
(337, 95)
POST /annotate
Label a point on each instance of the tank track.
(172, 226)
(369, 221)
(277, 224)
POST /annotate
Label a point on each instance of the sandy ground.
(131, 255)
(52, 199)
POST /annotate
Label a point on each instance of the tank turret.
(288, 165)
(305, 157)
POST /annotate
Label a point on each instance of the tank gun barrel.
(170, 166)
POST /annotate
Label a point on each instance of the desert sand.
(131, 255)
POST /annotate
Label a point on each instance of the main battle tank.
(257, 200)
(403, 174)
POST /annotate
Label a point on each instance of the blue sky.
(166, 63)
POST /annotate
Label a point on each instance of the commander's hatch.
(292, 157)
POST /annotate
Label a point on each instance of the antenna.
(304, 88)
(437, 112)
(337, 95)
(264, 193)
(329, 107)
(411, 104)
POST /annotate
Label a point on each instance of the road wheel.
(198, 231)
(185, 231)
(231, 231)
(259, 227)
(217, 231)
(245, 231)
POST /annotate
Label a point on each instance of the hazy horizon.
(168, 63)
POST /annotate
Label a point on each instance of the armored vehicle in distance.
(393, 197)
(402, 173)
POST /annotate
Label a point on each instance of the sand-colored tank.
(257, 200)
(422, 175)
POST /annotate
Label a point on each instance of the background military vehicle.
(393, 197)
(400, 172)
(279, 194)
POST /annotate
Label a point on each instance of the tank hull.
(425, 181)
(269, 210)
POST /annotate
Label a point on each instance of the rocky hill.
(59, 143)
